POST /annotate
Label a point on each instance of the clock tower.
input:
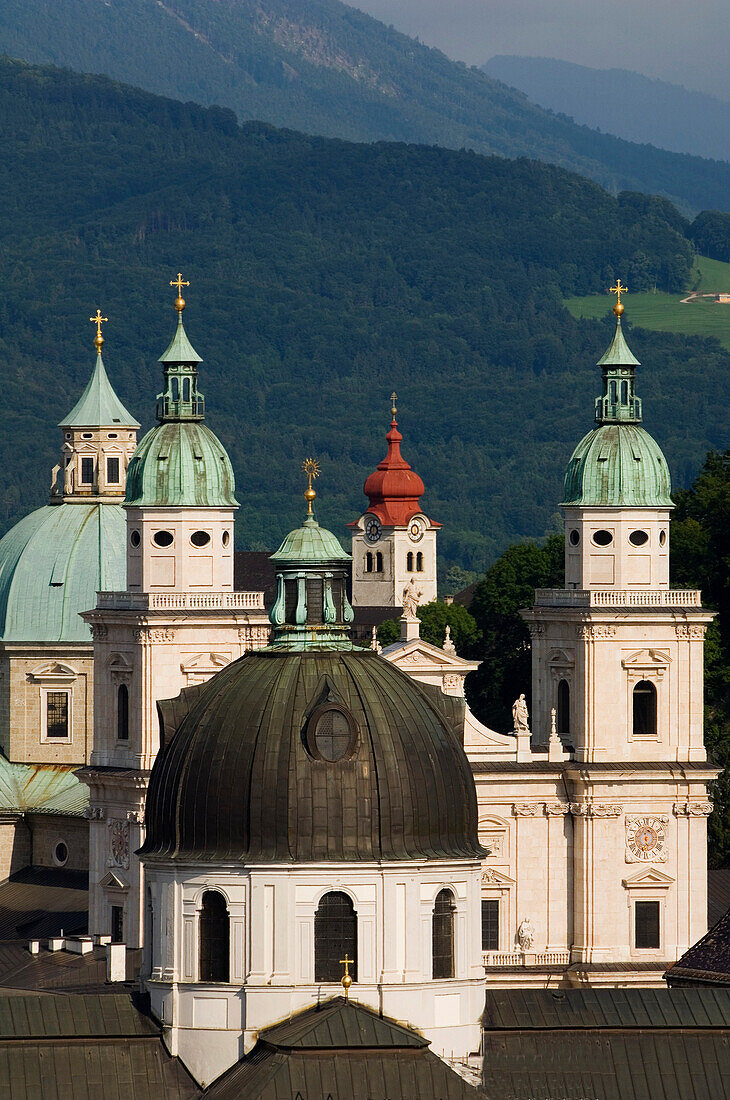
(394, 541)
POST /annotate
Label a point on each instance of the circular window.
(662, 537)
(638, 538)
(226, 538)
(163, 538)
(135, 538)
(602, 538)
(200, 538)
(574, 537)
(330, 734)
(60, 853)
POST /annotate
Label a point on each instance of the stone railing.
(182, 601)
(618, 597)
(517, 958)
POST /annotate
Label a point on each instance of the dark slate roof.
(237, 782)
(718, 894)
(343, 1050)
(60, 971)
(253, 571)
(40, 901)
(707, 961)
(79, 1047)
(521, 1009)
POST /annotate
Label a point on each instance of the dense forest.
(326, 68)
(324, 275)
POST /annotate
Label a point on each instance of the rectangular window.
(646, 925)
(87, 471)
(117, 928)
(57, 714)
(490, 924)
(112, 471)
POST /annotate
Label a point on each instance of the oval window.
(638, 538)
(226, 538)
(135, 538)
(60, 853)
(574, 538)
(112, 435)
(662, 537)
(200, 538)
(602, 538)
(163, 538)
(330, 734)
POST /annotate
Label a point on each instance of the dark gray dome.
(321, 755)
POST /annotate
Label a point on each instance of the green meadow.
(666, 312)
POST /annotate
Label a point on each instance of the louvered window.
(490, 924)
(646, 925)
(335, 936)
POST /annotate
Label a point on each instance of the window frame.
(123, 687)
(495, 902)
(634, 926)
(222, 951)
(51, 738)
(310, 742)
(334, 966)
(114, 480)
(85, 459)
(451, 917)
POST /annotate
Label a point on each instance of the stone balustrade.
(618, 597)
(182, 601)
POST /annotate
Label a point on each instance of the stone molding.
(536, 629)
(98, 631)
(95, 813)
(118, 843)
(690, 630)
(692, 809)
(598, 630)
(150, 634)
(596, 809)
(556, 809)
(525, 809)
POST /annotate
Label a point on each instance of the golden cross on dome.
(393, 398)
(618, 290)
(98, 321)
(347, 962)
(310, 466)
(179, 283)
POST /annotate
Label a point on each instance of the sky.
(682, 41)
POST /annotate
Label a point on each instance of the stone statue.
(374, 643)
(525, 935)
(68, 478)
(411, 598)
(448, 646)
(520, 717)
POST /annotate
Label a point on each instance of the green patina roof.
(179, 464)
(618, 353)
(41, 789)
(98, 405)
(52, 564)
(312, 544)
(180, 350)
(618, 465)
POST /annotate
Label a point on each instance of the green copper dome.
(310, 544)
(99, 405)
(181, 463)
(52, 564)
(618, 466)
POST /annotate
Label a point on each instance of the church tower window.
(368, 562)
(335, 935)
(122, 713)
(378, 562)
(419, 562)
(645, 709)
(214, 938)
(646, 925)
(409, 561)
(490, 924)
(112, 471)
(563, 707)
(87, 471)
(443, 935)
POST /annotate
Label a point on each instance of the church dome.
(52, 564)
(181, 463)
(394, 489)
(321, 755)
(616, 466)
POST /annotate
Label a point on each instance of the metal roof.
(42, 789)
(99, 406)
(618, 466)
(341, 1023)
(310, 543)
(40, 901)
(571, 1009)
(180, 464)
(708, 960)
(618, 353)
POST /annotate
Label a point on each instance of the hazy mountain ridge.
(330, 69)
(632, 106)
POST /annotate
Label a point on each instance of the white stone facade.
(383, 566)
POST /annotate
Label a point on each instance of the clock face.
(416, 529)
(646, 839)
(373, 529)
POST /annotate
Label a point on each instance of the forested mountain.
(323, 67)
(620, 102)
(323, 276)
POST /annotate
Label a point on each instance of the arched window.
(186, 389)
(419, 562)
(624, 393)
(123, 713)
(645, 709)
(378, 562)
(612, 392)
(174, 388)
(563, 716)
(443, 935)
(335, 935)
(409, 561)
(368, 562)
(214, 938)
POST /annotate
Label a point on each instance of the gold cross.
(618, 290)
(393, 398)
(347, 962)
(179, 283)
(98, 321)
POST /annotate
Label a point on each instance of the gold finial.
(179, 283)
(393, 399)
(98, 321)
(347, 962)
(618, 290)
(311, 469)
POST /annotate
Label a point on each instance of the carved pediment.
(119, 662)
(201, 666)
(561, 658)
(492, 877)
(647, 659)
(114, 881)
(651, 877)
(54, 672)
(424, 655)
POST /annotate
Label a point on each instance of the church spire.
(618, 403)
(181, 399)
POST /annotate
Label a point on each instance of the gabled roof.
(99, 406)
(707, 961)
(341, 1023)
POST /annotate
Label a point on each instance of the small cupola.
(618, 403)
(180, 399)
(311, 610)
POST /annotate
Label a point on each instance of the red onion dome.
(394, 489)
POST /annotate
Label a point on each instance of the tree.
(435, 617)
(509, 585)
